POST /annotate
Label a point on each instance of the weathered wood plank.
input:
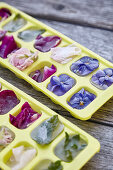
(96, 13)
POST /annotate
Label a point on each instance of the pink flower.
(42, 74)
(25, 118)
(22, 58)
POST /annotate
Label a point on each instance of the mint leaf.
(47, 131)
(71, 146)
(55, 166)
(14, 25)
(30, 34)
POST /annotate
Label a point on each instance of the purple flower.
(8, 45)
(103, 78)
(4, 13)
(44, 44)
(81, 99)
(60, 85)
(2, 34)
(84, 66)
(8, 100)
(42, 74)
(25, 117)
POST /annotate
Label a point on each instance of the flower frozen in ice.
(42, 74)
(22, 58)
(8, 45)
(6, 137)
(84, 66)
(4, 13)
(81, 99)
(2, 34)
(60, 85)
(21, 156)
(8, 100)
(25, 118)
(64, 54)
(103, 78)
(44, 44)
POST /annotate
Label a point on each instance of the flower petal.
(4, 13)
(84, 66)
(44, 44)
(60, 85)
(48, 72)
(21, 156)
(8, 45)
(25, 117)
(22, 58)
(103, 78)
(108, 71)
(2, 34)
(81, 99)
(8, 100)
(64, 54)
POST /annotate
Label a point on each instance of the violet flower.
(103, 78)
(8, 100)
(84, 66)
(4, 14)
(8, 45)
(60, 85)
(44, 44)
(42, 74)
(2, 34)
(26, 117)
(81, 99)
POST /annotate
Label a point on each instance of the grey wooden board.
(96, 13)
(99, 41)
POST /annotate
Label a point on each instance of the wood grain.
(97, 13)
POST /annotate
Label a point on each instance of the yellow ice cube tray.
(22, 136)
(44, 59)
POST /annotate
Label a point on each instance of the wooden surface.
(91, 24)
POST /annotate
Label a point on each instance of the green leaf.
(47, 131)
(55, 166)
(14, 25)
(72, 144)
(30, 34)
(68, 155)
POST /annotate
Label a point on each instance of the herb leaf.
(55, 166)
(72, 143)
(14, 25)
(30, 34)
(47, 131)
(69, 147)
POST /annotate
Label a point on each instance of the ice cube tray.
(22, 137)
(44, 59)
